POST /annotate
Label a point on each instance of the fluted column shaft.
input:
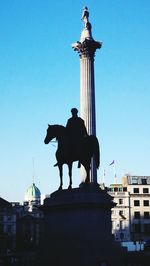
(87, 102)
(86, 49)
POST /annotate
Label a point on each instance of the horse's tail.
(96, 150)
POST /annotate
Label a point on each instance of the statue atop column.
(85, 15)
(87, 45)
(86, 32)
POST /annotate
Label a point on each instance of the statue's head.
(74, 111)
(85, 8)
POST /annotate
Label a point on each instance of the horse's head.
(50, 134)
(53, 131)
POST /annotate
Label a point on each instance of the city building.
(29, 219)
(139, 188)
(131, 215)
(121, 212)
(20, 229)
(7, 227)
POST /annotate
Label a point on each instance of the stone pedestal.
(77, 228)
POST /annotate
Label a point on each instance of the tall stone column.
(86, 48)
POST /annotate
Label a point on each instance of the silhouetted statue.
(76, 130)
(65, 153)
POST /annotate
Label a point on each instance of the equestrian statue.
(74, 144)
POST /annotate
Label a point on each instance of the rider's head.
(74, 111)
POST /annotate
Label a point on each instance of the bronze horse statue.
(66, 154)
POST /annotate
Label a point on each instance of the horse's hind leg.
(61, 176)
(70, 175)
(87, 179)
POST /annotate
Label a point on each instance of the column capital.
(87, 48)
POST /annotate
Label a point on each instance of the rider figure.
(76, 130)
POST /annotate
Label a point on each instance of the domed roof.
(32, 193)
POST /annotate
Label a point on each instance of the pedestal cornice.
(90, 196)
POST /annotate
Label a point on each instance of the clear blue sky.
(39, 83)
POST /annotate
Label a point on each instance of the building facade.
(29, 220)
(131, 215)
(8, 219)
(121, 212)
(20, 229)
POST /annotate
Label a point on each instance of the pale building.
(139, 189)
(131, 215)
(121, 212)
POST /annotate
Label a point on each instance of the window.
(115, 189)
(121, 236)
(124, 189)
(120, 201)
(136, 203)
(8, 218)
(146, 202)
(136, 215)
(144, 181)
(137, 228)
(121, 225)
(134, 180)
(145, 190)
(147, 229)
(120, 189)
(120, 213)
(146, 215)
(9, 228)
(135, 190)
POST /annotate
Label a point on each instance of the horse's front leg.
(87, 180)
(87, 169)
(61, 176)
(70, 175)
